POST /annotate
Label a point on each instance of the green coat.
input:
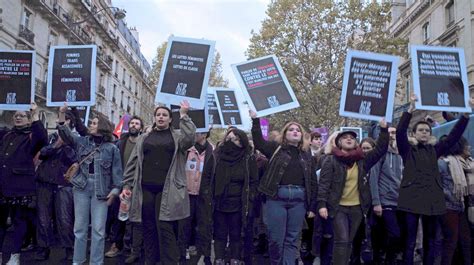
(175, 199)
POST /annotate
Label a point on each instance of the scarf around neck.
(456, 169)
(348, 157)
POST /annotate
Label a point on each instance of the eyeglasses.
(20, 116)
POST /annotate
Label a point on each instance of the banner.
(199, 117)
(17, 87)
(71, 75)
(265, 85)
(228, 106)
(369, 84)
(440, 78)
(215, 117)
(122, 126)
(185, 72)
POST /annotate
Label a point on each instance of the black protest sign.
(16, 79)
(71, 75)
(265, 85)
(229, 107)
(185, 71)
(199, 118)
(440, 78)
(215, 118)
(369, 86)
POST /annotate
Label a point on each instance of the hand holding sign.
(383, 123)
(183, 111)
(413, 100)
(34, 111)
(253, 114)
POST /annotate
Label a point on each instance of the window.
(426, 32)
(450, 13)
(124, 74)
(112, 116)
(27, 16)
(53, 39)
(116, 67)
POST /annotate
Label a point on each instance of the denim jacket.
(108, 172)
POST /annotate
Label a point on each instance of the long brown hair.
(104, 127)
(302, 145)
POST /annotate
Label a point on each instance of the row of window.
(449, 10)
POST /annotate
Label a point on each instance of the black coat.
(421, 191)
(17, 151)
(334, 174)
(277, 167)
(249, 188)
(55, 162)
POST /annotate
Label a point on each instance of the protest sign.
(215, 117)
(71, 75)
(369, 85)
(200, 118)
(265, 85)
(357, 130)
(185, 71)
(17, 89)
(440, 78)
(228, 107)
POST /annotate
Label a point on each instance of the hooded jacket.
(385, 178)
(421, 191)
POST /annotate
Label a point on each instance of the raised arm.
(267, 148)
(187, 127)
(80, 127)
(64, 131)
(380, 149)
(39, 135)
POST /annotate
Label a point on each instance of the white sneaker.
(14, 259)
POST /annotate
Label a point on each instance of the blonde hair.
(302, 145)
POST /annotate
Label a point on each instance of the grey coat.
(175, 199)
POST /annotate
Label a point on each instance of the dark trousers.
(20, 216)
(392, 232)
(117, 227)
(456, 230)
(346, 224)
(137, 237)
(159, 237)
(227, 225)
(4, 213)
(410, 226)
(197, 228)
(323, 239)
(57, 202)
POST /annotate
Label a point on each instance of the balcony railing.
(27, 34)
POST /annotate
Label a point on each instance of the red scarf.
(348, 157)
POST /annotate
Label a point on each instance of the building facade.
(122, 71)
(436, 23)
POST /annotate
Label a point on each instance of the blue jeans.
(284, 217)
(346, 224)
(85, 202)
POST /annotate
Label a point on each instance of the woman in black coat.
(344, 191)
(18, 148)
(234, 186)
(421, 193)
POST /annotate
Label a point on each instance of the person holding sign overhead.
(344, 191)
(18, 148)
(421, 195)
(290, 186)
(96, 183)
(155, 175)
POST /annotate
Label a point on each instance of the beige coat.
(175, 199)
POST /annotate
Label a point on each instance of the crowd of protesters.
(290, 197)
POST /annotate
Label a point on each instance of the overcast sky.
(228, 22)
